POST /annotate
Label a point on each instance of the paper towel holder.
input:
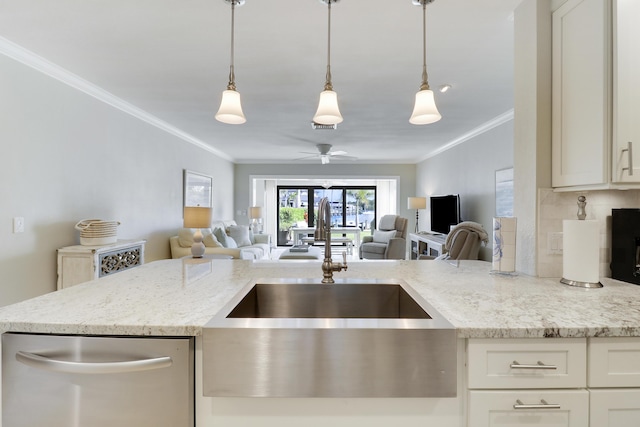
(581, 284)
(581, 214)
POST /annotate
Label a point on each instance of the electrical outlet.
(18, 224)
(554, 243)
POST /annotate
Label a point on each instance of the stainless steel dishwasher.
(69, 381)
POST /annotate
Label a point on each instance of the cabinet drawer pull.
(629, 151)
(539, 365)
(542, 405)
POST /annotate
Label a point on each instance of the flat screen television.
(445, 212)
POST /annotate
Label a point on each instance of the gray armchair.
(388, 241)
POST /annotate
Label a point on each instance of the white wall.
(469, 169)
(67, 156)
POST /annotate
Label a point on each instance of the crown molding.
(30, 59)
(473, 133)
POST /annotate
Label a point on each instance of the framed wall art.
(197, 189)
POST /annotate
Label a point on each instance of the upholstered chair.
(463, 242)
(388, 241)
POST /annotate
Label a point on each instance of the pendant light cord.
(327, 84)
(425, 84)
(232, 75)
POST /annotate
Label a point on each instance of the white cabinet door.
(626, 80)
(614, 362)
(581, 98)
(549, 408)
(615, 407)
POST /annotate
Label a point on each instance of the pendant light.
(230, 110)
(328, 112)
(424, 110)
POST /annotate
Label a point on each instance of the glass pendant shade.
(230, 110)
(424, 110)
(328, 112)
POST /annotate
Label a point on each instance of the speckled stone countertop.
(178, 297)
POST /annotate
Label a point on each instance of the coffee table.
(312, 253)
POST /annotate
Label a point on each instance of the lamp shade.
(197, 217)
(424, 110)
(417, 203)
(255, 212)
(230, 110)
(328, 112)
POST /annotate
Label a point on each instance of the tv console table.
(426, 244)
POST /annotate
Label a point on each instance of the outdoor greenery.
(289, 216)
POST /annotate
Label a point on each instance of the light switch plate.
(18, 224)
(554, 243)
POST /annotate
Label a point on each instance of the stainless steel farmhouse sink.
(353, 338)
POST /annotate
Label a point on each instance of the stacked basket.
(95, 232)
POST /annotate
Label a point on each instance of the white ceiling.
(170, 59)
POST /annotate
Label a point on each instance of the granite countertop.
(178, 297)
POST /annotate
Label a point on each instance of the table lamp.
(197, 217)
(255, 215)
(417, 203)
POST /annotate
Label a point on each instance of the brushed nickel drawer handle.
(539, 365)
(542, 405)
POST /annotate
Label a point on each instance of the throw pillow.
(231, 243)
(383, 236)
(221, 236)
(210, 241)
(240, 233)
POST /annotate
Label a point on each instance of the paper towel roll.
(581, 251)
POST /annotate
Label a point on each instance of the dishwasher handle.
(54, 365)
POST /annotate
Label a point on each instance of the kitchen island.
(178, 297)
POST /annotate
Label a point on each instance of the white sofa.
(224, 238)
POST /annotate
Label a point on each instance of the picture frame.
(197, 189)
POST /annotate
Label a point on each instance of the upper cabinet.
(596, 91)
(626, 92)
(580, 96)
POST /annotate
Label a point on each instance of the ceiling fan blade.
(315, 156)
(337, 153)
(341, 157)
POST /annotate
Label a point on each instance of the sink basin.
(353, 338)
(313, 300)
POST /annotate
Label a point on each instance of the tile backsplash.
(554, 207)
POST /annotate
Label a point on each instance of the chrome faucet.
(323, 232)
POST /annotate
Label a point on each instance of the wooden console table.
(426, 244)
(77, 264)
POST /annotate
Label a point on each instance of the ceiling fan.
(325, 154)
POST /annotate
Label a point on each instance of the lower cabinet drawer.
(527, 363)
(557, 408)
(614, 362)
(614, 407)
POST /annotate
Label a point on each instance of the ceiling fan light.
(328, 112)
(230, 110)
(425, 110)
